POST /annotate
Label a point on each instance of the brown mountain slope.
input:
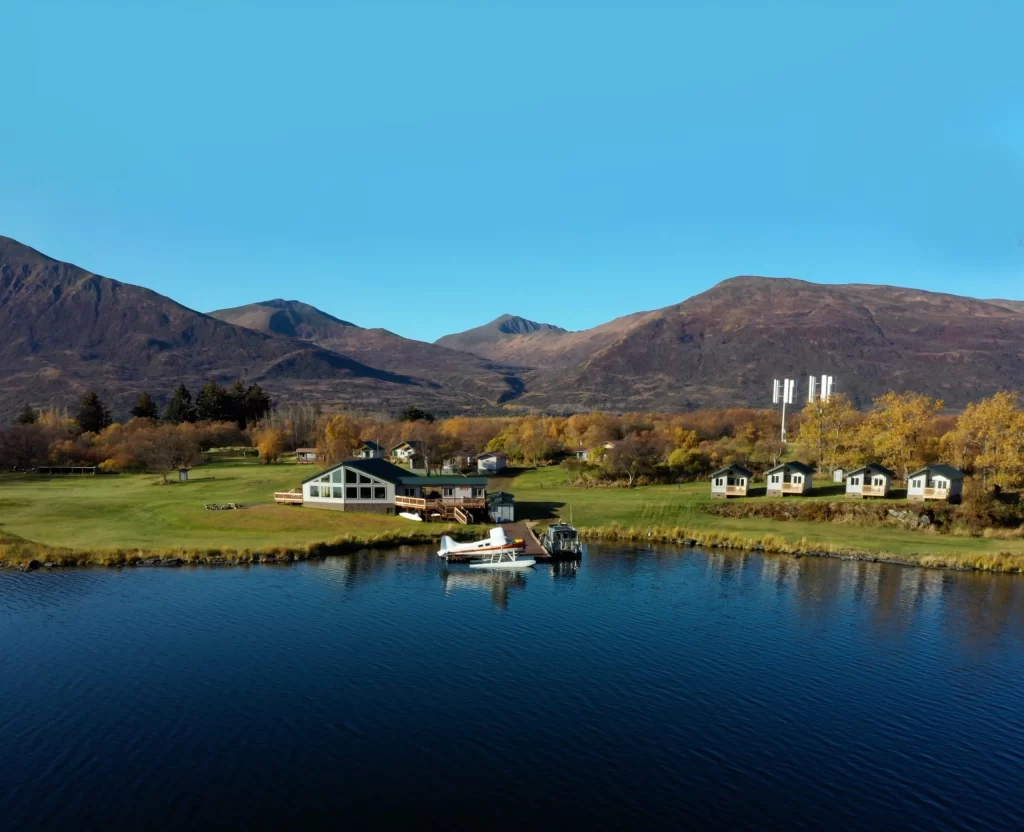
(64, 330)
(500, 338)
(723, 347)
(475, 379)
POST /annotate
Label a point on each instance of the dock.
(534, 548)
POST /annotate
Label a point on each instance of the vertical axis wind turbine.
(784, 391)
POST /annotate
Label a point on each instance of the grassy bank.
(126, 519)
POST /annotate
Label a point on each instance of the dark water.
(643, 689)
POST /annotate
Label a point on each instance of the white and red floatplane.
(497, 551)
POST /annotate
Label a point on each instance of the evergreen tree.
(212, 403)
(236, 405)
(145, 407)
(92, 415)
(28, 416)
(179, 408)
(415, 414)
(257, 404)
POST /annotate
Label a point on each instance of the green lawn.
(136, 511)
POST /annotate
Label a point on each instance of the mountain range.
(65, 330)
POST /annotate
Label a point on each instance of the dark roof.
(947, 471)
(305, 450)
(493, 453)
(799, 467)
(501, 497)
(739, 469)
(373, 446)
(412, 443)
(384, 470)
(874, 467)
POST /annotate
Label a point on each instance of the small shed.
(731, 481)
(838, 475)
(306, 456)
(936, 482)
(790, 478)
(491, 462)
(871, 480)
(501, 507)
(183, 475)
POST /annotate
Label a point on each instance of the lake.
(657, 687)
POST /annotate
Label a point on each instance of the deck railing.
(873, 490)
(424, 503)
(936, 493)
(736, 489)
(293, 497)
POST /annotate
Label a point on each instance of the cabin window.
(336, 476)
(350, 476)
(854, 480)
(365, 493)
(380, 493)
(351, 493)
(325, 479)
(314, 491)
(775, 477)
(878, 481)
(447, 492)
(363, 478)
(336, 492)
(478, 492)
(797, 479)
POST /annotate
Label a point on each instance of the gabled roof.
(874, 467)
(379, 468)
(947, 471)
(305, 450)
(373, 446)
(799, 467)
(501, 497)
(412, 443)
(736, 469)
(489, 454)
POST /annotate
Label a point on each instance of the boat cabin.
(562, 541)
(872, 480)
(789, 478)
(731, 481)
(936, 482)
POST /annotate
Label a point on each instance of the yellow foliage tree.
(339, 438)
(827, 432)
(988, 440)
(270, 442)
(896, 432)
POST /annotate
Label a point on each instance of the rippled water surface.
(643, 688)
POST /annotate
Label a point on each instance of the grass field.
(135, 511)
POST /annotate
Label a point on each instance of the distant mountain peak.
(518, 325)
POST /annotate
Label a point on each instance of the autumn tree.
(170, 447)
(338, 439)
(897, 432)
(988, 440)
(632, 457)
(93, 416)
(145, 407)
(270, 442)
(827, 432)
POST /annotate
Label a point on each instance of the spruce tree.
(257, 404)
(236, 404)
(211, 403)
(92, 415)
(28, 416)
(179, 408)
(145, 407)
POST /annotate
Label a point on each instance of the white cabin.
(731, 481)
(871, 480)
(491, 462)
(370, 450)
(789, 478)
(936, 482)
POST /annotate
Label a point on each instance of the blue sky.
(427, 166)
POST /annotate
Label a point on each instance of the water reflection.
(498, 582)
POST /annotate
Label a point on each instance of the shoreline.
(25, 555)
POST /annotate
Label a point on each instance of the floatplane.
(496, 551)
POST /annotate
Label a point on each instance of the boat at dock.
(562, 540)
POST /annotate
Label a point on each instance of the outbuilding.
(306, 456)
(491, 462)
(936, 482)
(370, 450)
(790, 478)
(731, 481)
(871, 480)
(501, 507)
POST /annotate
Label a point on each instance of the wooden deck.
(291, 498)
